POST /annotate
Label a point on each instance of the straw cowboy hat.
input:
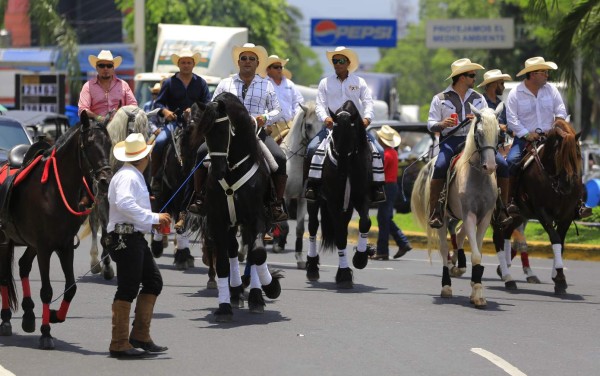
(272, 60)
(494, 75)
(132, 149)
(185, 53)
(350, 54)
(389, 136)
(461, 66)
(155, 89)
(287, 73)
(260, 52)
(105, 55)
(537, 63)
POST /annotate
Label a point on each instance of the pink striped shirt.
(95, 99)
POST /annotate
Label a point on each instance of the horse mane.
(238, 116)
(63, 139)
(118, 127)
(567, 157)
(490, 129)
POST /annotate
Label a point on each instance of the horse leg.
(25, 265)
(224, 313)
(501, 239)
(236, 287)
(282, 230)
(444, 252)
(312, 258)
(458, 267)
(343, 277)
(300, 213)
(95, 261)
(208, 258)
(65, 257)
(183, 257)
(8, 291)
(107, 270)
(269, 282)
(361, 257)
(560, 281)
(475, 231)
(158, 245)
(520, 246)
(46, 340)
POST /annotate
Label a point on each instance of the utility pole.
(139, 32)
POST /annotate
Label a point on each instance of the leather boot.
(197, 205)
(312, 189)
(503, 216)
(436, 216)
(582, 210)
(377, 193)
(119, 344)
(140, 333)
(511, 206)
(278, 212)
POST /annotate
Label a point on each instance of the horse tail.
(327, 229)
(86, 230)
(7, 251)
(419, 204)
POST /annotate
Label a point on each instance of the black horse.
(549, 190)
(237, 187)
(42, 214)
(346, 178)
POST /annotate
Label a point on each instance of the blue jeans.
(516, 153)
(387, 227)
(449, 148)
(161, 140)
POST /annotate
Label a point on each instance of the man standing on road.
(104, 94)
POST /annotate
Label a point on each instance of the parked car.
(413, 153)
(12, 133)
(46, 125)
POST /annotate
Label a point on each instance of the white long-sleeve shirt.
(129, 200)
(333, 93)
(526, 113)
(289, 98)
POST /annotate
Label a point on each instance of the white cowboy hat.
(132, 149)
(494, 75)
(272, 60)
(350, 54)
(389, 136)
(155, 89)
(461, 66)
(537, 63)
(185, 53)
(260, 52)
(105, 55)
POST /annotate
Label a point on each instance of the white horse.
(471, 197)
(127, 120)
(304, 128)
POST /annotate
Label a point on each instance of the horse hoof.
(211, 284)
(96, 268)
(5, 329)
(256, 302)
(224, 313)
(479, 303)
(533, 279)
(360, 259)
(343, 278)
(28, 322)
(54, 317)
(457, 272)
(157, 248)
(237, 296)
(510, 285)
(46, 343)
(499, 271)
(312, 268)
(190, 262)
(273, 289)
(109, 273)
(446, 292)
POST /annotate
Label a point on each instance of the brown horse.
(550, 189)
(42, 214)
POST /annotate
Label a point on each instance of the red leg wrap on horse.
(525, 259)
(4, 293)
(26, 288)
(453, 239)
(46, 314)
(62, 312)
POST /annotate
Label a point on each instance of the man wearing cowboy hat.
(533, 105)
(455, 99)
(129, 218)
(259, 97)
(390, 140)
(332, 93)
(288, 95)
(177, 94)
(104, 94)
(148, 106)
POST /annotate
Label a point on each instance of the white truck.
(214, 43)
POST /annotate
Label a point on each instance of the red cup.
(165, 229)
(455, 117)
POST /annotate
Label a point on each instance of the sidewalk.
(581, 252)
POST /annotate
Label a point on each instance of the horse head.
(127, 120)
(94, 150)
(483, 137)
(347, 130)
(561, 155)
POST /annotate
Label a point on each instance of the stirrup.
(197, 207)
(278, 213)
(436, 220)
(378, 195)
(180, 225)
(310, 194)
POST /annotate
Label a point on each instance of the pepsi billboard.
(356, 33)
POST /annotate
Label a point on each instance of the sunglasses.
(251, 58)
(109, 66)
(339, 61)
(278, 67)
(470, 75)
(541, 72)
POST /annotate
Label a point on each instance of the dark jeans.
(387, 227)
(135, 266)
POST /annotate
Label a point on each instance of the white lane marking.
(5, 372)
(498, 361)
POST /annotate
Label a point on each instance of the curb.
(579, 252)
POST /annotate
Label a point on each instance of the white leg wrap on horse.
(507, 251)
(503, 266)
(223, 286)
(362, 242)
(558, 261)
(263, 274)
(254, 278)
(234, 272)
(182, 241)
(312, 246)
(342, 253)
(378, 175)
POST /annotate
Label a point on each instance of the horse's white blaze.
(498, 361)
